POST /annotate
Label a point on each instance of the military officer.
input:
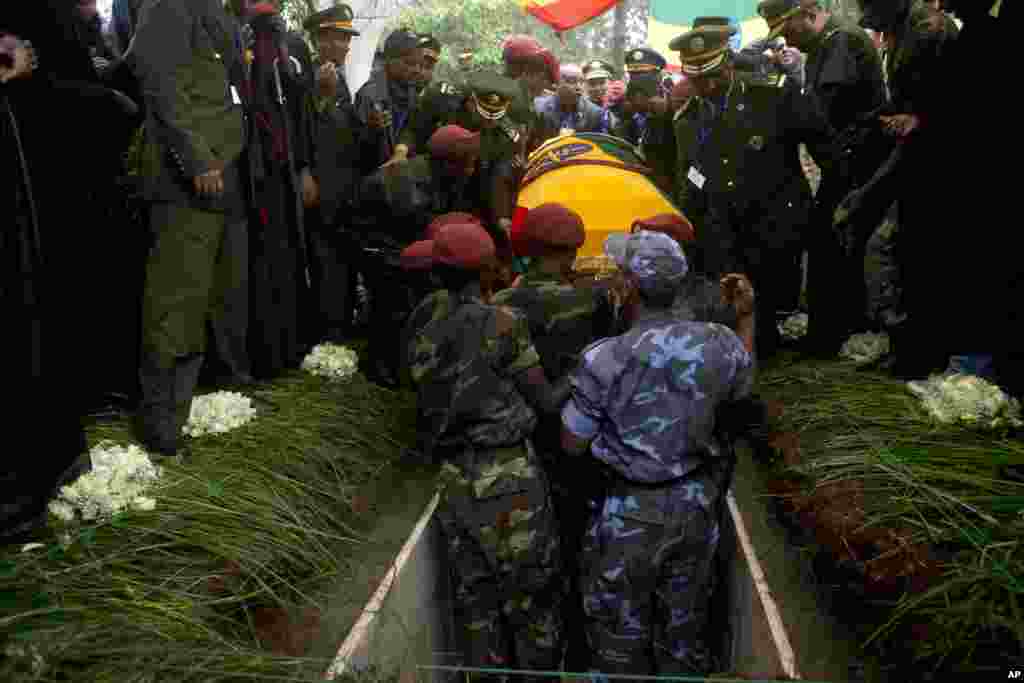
(596, 74)
(396, 205)
(192, 72)
(480, 387)
(503, 143)
(843, 68)
(333, 275)
(739, 176)
(644, 67)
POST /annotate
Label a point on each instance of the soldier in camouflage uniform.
(563, 320)
(480, 386)
(739, 176)
(396, 204)
(644, 405)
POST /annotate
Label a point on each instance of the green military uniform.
(187, 60)
(739, 176)
(441, 104)
(503, 138)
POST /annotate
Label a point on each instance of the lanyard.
(707, 123)
(398, 121)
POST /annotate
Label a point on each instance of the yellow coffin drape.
(600, 177)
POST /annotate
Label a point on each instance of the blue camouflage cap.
(653, 259)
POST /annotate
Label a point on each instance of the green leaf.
(8, 569)
(215, 489)
(88, 536)
(41, 600)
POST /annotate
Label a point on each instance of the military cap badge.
(638, 55)
(697, 44)
(757, 143)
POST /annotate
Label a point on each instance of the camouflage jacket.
(463, 366)
(563, 319)
(649, 399)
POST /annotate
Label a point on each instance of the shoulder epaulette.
(449, 89)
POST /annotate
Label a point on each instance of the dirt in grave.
(384, 514)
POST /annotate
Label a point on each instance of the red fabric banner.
(563, 15)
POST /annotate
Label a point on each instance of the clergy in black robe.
(279, 157)
(42, 363)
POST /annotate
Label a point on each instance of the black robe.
(277, 268)
(42, 357)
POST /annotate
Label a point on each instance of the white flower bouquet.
(865, 348)
(119, 477)
(331, 361)
(218, 413)
(794, 327)
(967, 400)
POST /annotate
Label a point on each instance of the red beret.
(447, 219)
(417, 256)
(671, 224)
(521, 47)
(464, 245)
(553, 65)
(549, 225)
(453, 143)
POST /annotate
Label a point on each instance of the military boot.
(154, 419)
(186, 377)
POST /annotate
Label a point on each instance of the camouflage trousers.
(503, 549)
(882, 275)
(648, 574)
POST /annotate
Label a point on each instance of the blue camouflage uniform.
(648, 401)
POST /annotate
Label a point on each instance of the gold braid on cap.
(492, 110)
(335, 24)
(700, 69)
(641, 68)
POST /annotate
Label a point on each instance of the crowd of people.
(584, 428)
